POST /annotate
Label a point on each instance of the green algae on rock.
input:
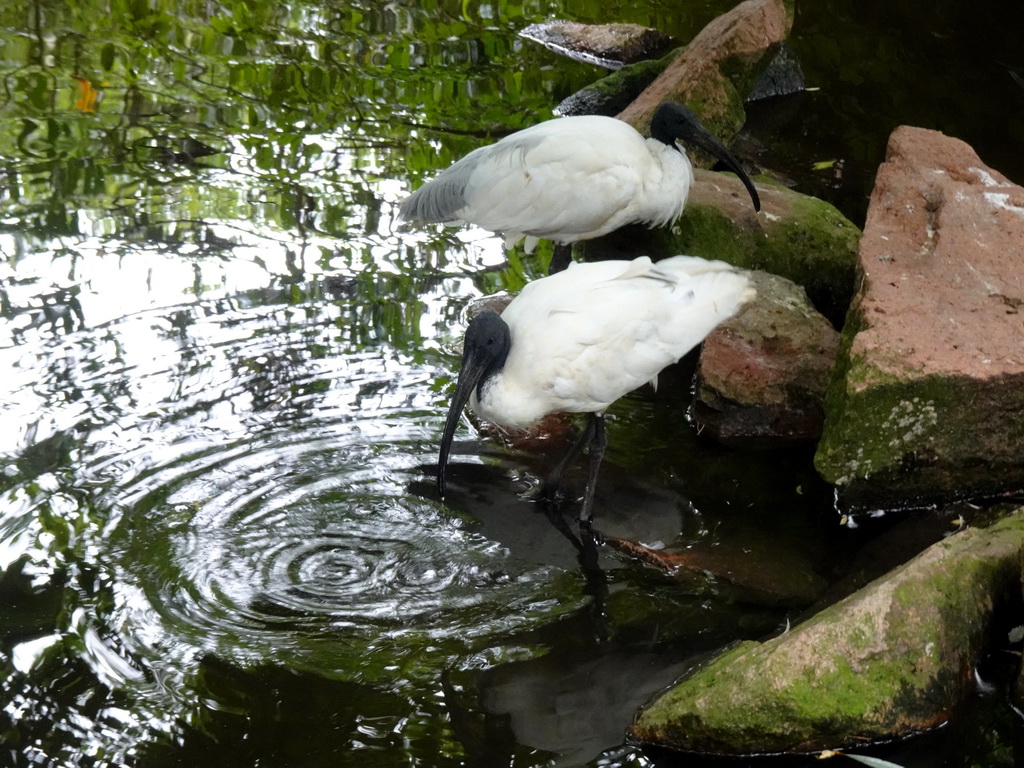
(796, 236)
(890, 660)
(718, 67)
(613, 93)
(927, 402)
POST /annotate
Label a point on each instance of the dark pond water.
(225, 371)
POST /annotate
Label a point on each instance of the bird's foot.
(588, 532)
(549, 493)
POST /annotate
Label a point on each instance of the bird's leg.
(596, 583)
(587, 546)
(561, 258)
(598, 442)
(549, 490)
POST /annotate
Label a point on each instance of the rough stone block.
(929, 400)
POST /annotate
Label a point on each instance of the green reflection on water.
(258, 147)
(144, 120)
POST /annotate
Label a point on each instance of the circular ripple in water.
(322, 565)
(240, 477)
(262, 511)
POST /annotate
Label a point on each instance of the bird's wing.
(561, 187)
(606, 328)
(442, 199)
(558, 179)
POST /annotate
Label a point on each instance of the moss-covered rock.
(796, 236)
(613, 93)
(929, 400)
(607, 45)
(892, 659)
(719, 67)
(891, 442)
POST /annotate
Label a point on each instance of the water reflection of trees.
(202, 132)
(54, 312)
(147, 120)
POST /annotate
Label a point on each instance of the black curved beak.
(706, 141)
(470, 373)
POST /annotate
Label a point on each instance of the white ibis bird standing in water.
(573, 179)
(578, 340)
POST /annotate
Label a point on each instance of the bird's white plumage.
(569, 179)
(584, 337)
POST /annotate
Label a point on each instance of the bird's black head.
(486, 346)
(673, 121)
(484, 351)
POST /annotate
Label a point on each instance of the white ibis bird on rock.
(573, 179)
(578, 340)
